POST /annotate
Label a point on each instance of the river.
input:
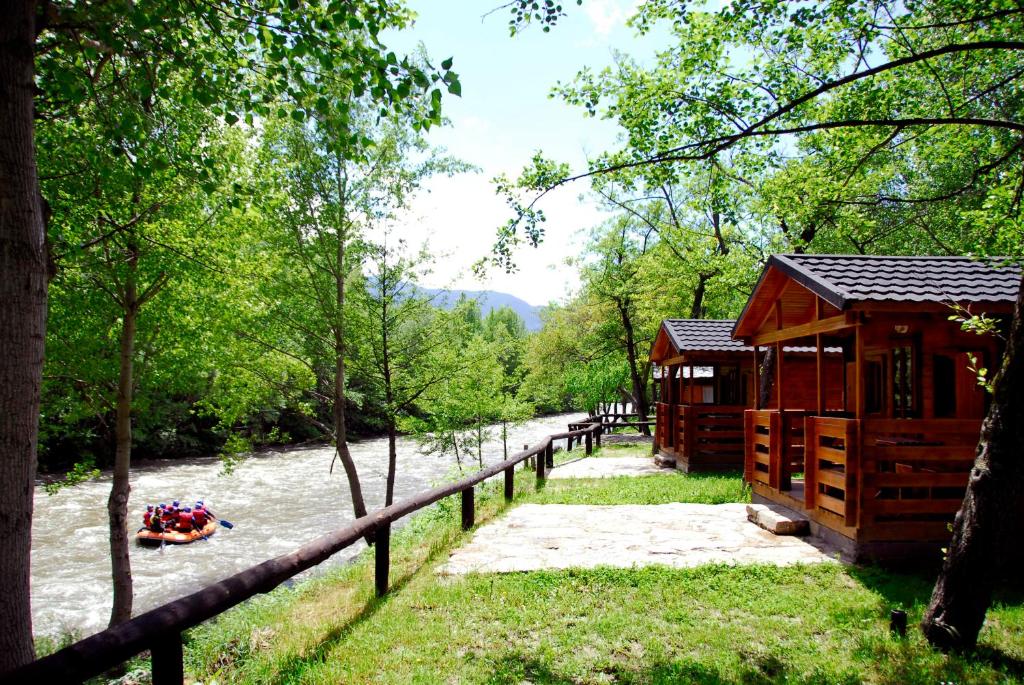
(276, 500)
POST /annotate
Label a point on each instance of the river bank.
(277, 501)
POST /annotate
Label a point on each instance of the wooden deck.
(873, 481)
(701, 437)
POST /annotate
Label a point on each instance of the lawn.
(715, 624)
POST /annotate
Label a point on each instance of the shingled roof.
(842, 280)
(703, 335)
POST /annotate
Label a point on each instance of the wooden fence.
(160, 629)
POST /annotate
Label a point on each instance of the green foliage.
(80, 473)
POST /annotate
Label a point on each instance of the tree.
(404, 339)
(51, 58)
(330, 203)
(24, 273)
(614, 280)
(125, 232)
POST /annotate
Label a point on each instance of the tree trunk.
(697, 308)
(117, 504)
(24, 273)
(389, 496)
(988, 524)
(480, 441)
(767, 376)
(637, 379)
(340, 429)
(389, 393)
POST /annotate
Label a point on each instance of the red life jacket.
(184, 520)
(200, 517)
(146, 518)
(168, 516)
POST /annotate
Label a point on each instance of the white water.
(277, 501)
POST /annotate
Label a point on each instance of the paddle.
(224, 522)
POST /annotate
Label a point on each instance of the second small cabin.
(706, 380)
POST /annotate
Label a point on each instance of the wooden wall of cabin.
(941, 381)
(800, 383)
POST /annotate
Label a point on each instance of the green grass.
(666, 487)
(714, 624)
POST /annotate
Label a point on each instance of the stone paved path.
(607, 467)
(555, 536)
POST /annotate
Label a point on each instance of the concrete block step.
(778, 520)
(664, 461)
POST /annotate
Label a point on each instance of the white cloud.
(607, 15)
(459, 216)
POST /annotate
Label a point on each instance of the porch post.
(818, 341)
(757, 381)
(779, 396)
(820, 358)
(858, 370)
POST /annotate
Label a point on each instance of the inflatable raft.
(175, 537)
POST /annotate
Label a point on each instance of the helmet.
(174, 503)
(199, 502)
(188, 510)
(163, 506)
(149, 507)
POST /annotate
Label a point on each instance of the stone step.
(778, 520)
(664, 461)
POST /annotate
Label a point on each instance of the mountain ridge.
(489, 299)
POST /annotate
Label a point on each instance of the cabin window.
(904, 400)
(944, 369)
(730, 385)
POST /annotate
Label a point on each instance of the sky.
(503, 117)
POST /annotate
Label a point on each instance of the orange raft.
(175, 537)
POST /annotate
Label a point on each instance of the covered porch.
(705, 383)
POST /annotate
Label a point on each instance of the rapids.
(277, 501)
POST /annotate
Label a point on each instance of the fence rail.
(159, 630)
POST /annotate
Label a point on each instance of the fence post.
(568, 444)
(776, 448)
(168, 661)
(600, 430)
(590, 442)
(468, 507)
(549, 455)
(510, 482)
(540, 459)
(382, 559)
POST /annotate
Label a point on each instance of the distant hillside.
(489, 300)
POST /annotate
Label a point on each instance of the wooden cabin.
(706, 380)
(883, 470)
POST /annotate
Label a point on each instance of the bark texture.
(340, 427)
(24, 273)
(988, 524)
(637, 378)
(767, 378)
(117, 503)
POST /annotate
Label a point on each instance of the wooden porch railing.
(915, 473)
(832, 466)
(160, 629)
(664, 420)
(773, 446)
(891, 478)
(710, 430)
